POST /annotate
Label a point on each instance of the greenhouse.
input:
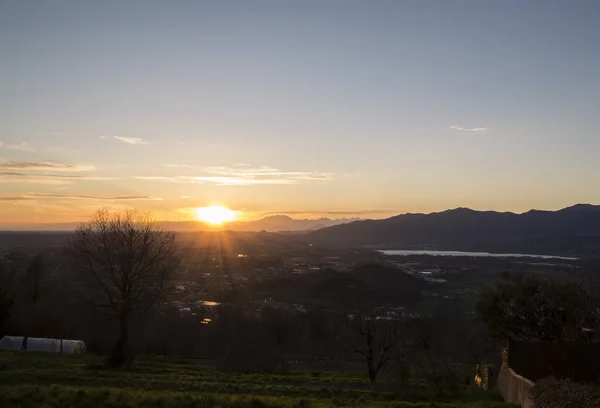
(45, 345)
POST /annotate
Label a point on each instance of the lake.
(395, 252)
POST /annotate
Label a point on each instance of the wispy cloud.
(10, 177)
(45, 178)
(92, 197)
(104, 137)
(243, 181)
(16, 198)
(463, 129)
(23, 146)
(218, 180)
(58, 176)
(241, 175)
(48, 165)
(265, 173)
(37, 196)
(132, 140)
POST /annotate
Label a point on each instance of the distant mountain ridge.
(571, 230)
(273, 223)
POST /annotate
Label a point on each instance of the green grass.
(30, 379)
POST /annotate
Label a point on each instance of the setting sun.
(215, 215)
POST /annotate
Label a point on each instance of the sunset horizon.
(191, 216)
(299, 203)
(308, 110)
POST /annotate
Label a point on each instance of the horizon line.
(221, 227)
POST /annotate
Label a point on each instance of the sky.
(307, 108)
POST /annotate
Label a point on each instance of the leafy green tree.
(527, 307)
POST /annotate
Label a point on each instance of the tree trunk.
(373, 371)
(118, 355)
(372, 375)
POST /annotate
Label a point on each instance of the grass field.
(29, 380)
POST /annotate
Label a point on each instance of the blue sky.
(312, 108)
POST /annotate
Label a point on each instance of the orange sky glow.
(307, 109)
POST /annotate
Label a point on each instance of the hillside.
(233, 241)
(366, 285)
(572, 230)
(39, 380)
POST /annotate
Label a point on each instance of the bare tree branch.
(130, 262)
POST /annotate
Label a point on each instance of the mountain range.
(572, 230)
(274, 223)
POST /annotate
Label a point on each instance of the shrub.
(552, 393)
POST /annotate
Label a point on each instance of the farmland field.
(42, 380)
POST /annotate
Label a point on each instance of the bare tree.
(6, 299)
(29, 295)
(32, 277)
(130, 261)
(589, 278)
(405, 335)
(374, 340)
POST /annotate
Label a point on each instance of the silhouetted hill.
(276, 223)
(572, 230)
(367, 284)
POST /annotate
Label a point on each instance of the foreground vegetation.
(29, 379)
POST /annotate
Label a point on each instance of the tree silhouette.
(373, 340)
(129, 261)
(528, 307)
(29, 287)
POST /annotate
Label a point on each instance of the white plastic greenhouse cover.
(48, 345)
